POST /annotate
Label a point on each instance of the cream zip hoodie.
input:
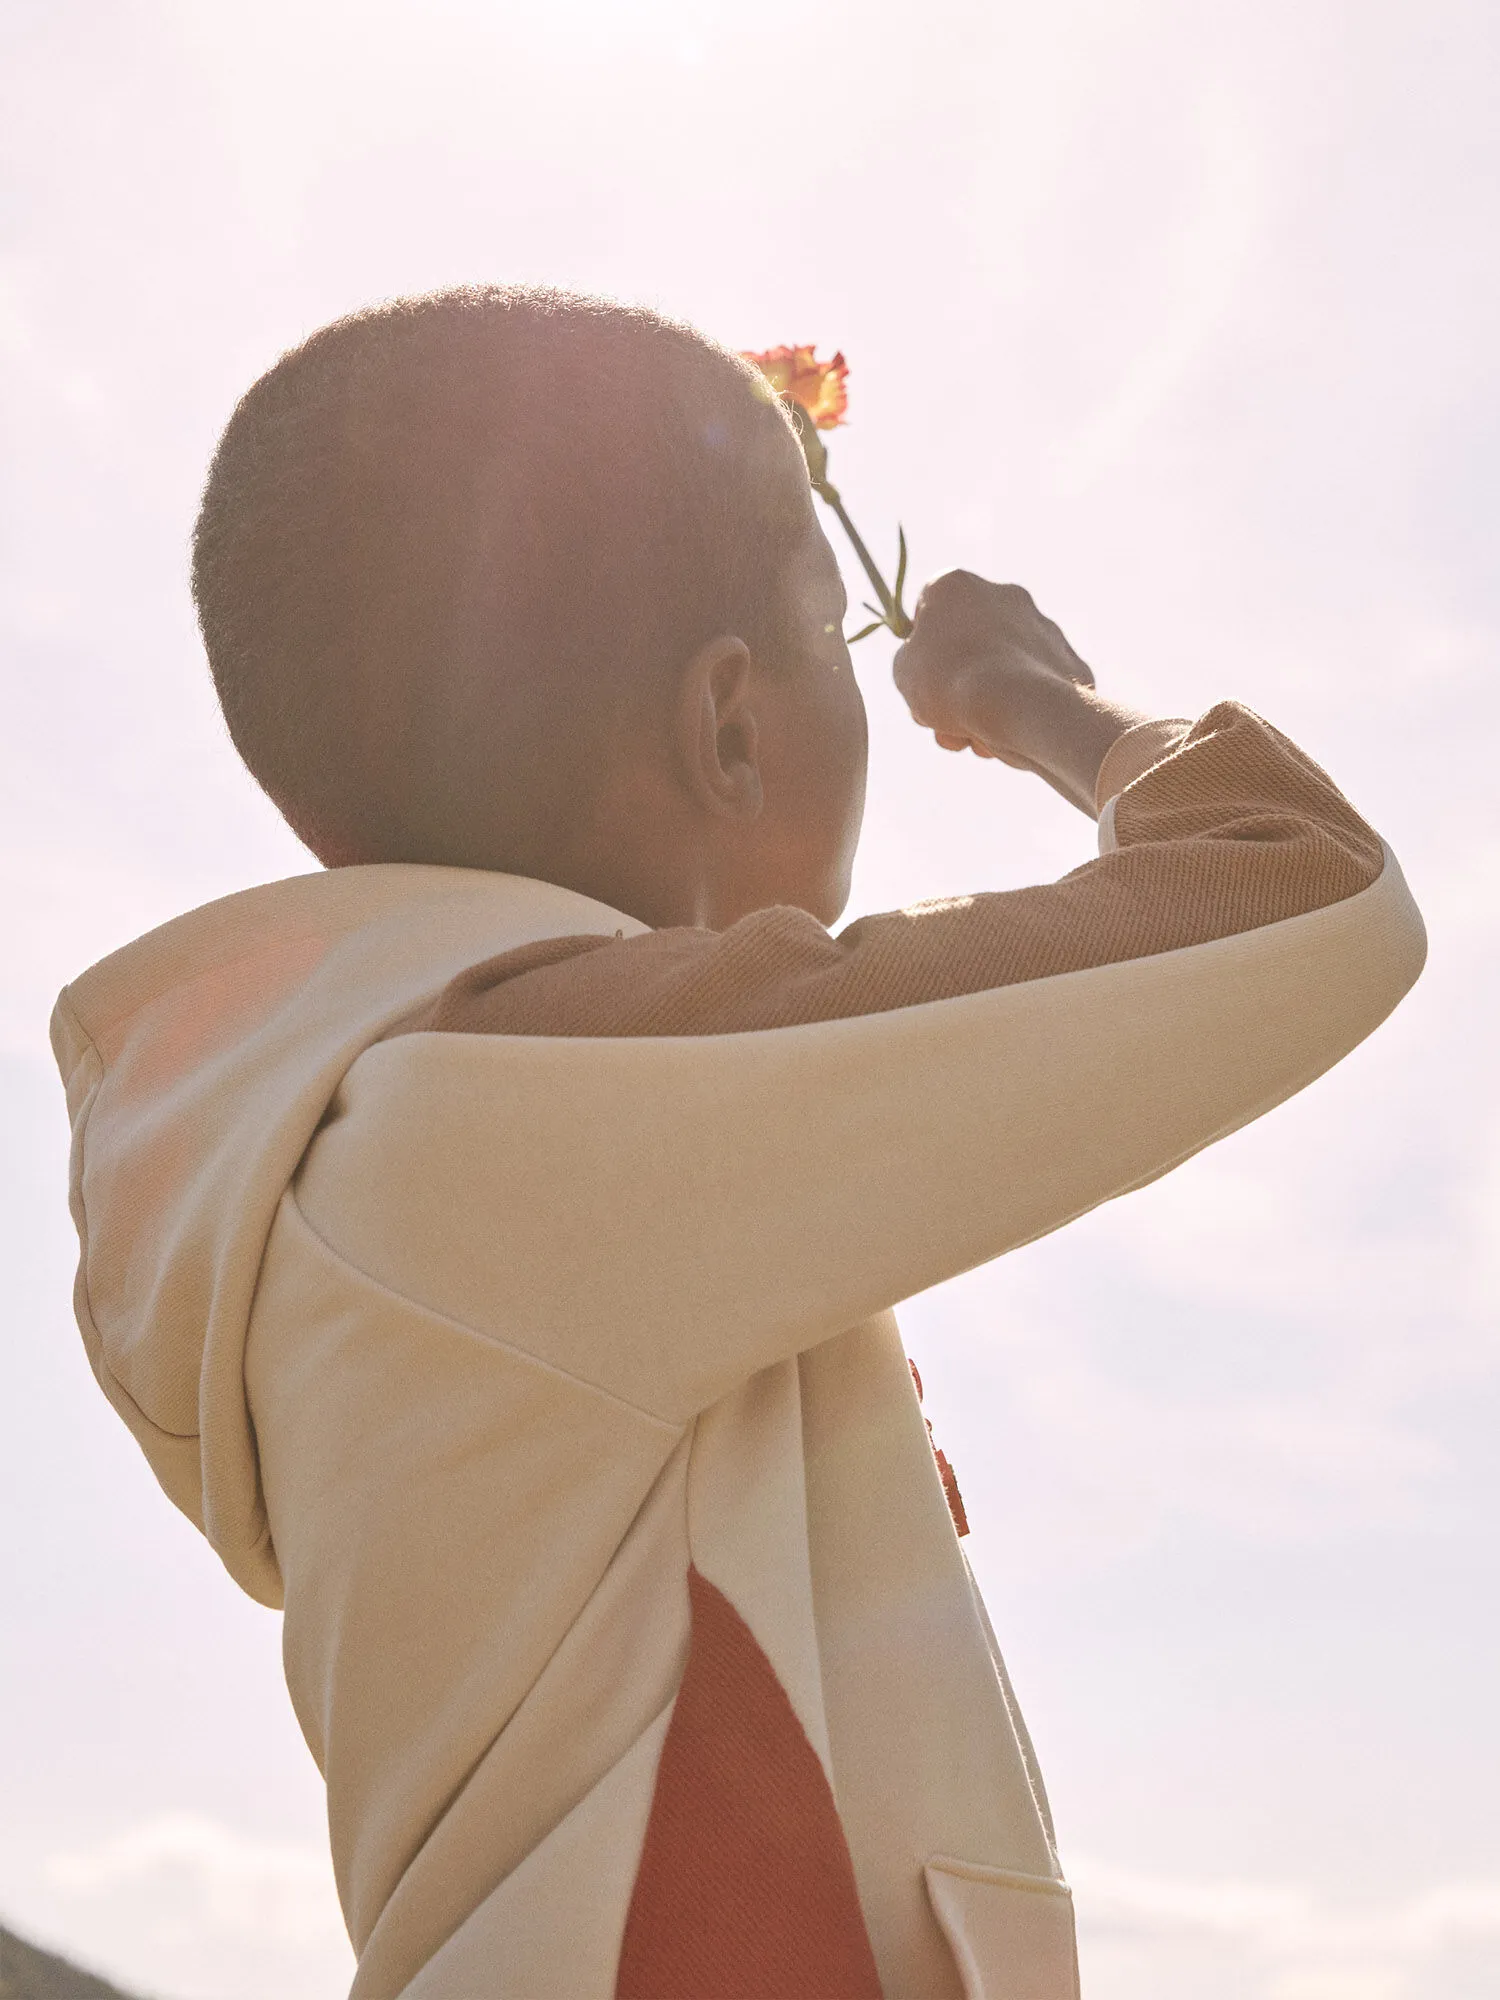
(548, 1379)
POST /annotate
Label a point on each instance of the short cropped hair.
(446, 531)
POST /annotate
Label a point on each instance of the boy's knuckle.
(954, 586)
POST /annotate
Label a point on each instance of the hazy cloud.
(187, 1904)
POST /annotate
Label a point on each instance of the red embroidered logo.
(946, 1473)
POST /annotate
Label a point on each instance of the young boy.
(491, 1239)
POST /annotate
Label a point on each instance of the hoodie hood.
(199, 1062)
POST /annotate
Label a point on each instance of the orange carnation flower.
(818, 386)
(816, 397)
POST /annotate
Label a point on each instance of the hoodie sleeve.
(663, 1162)
(1226, 827)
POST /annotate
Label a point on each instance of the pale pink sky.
(1186, 316)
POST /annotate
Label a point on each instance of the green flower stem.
(891, 612)
(894, 615)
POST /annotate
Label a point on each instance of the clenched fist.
(985, 671)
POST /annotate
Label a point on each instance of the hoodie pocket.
(1011, 1935)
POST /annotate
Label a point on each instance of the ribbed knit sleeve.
(1231, 829)
(772, 1133)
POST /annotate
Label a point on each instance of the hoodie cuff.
(1130, 757)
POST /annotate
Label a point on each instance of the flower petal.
(820, 387)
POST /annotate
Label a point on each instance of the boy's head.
(524, 581)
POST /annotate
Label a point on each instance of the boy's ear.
(718, 743)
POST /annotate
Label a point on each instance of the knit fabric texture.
(746, 1890)
(1233, 829)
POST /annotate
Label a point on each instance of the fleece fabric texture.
(521, 1323)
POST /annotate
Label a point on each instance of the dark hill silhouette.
(26, 1973)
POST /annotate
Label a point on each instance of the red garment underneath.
(745, 1890)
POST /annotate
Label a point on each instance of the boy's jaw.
(828, 785)
(812, 745)
(749, 790)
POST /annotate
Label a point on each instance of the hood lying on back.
(199, 1062)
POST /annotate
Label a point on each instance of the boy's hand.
(985, 671)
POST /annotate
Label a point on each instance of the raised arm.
(772, 1132)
